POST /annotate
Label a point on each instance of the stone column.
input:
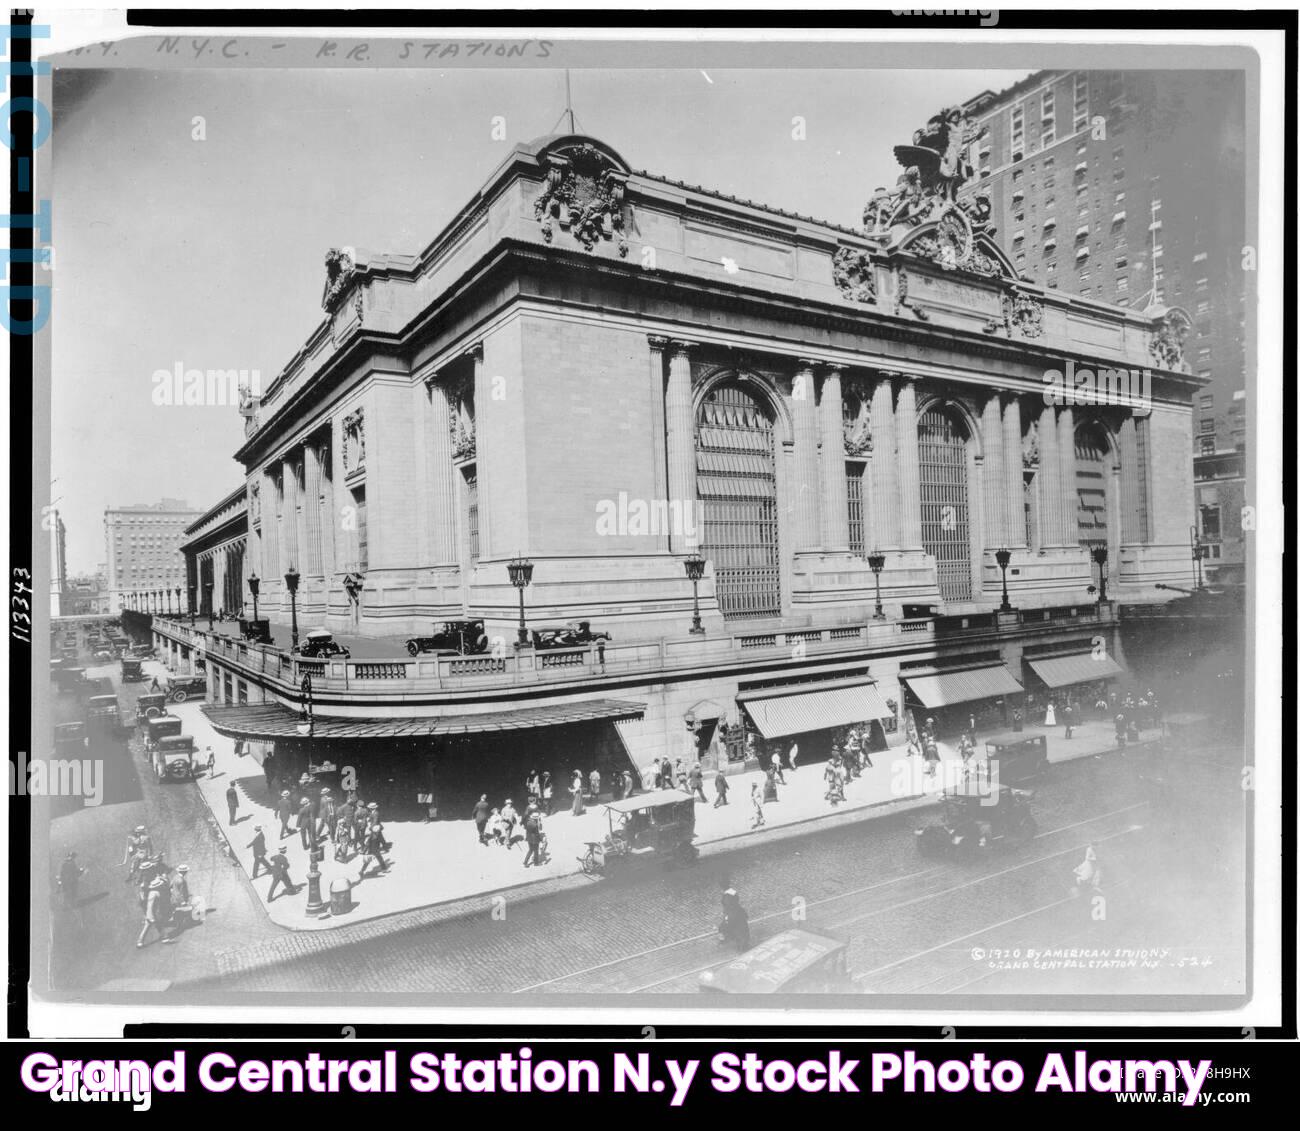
(269, 567)
(658, 428)
(1069, 478)
(289, 521)
(909, 467)
(1049, 472)
(994, 476)
(679, 420)
(835, 489)
(442, 476)
(807, 487)
(312, 566)
(1013, 467)
(329, 516)
(1130, 481)
(884, 468)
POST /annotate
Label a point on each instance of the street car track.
(936, 877)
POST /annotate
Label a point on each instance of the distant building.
(1129, 187)
(214, 549)
(58, 564)
(144, 561)
(1220, 497)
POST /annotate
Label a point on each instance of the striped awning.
(269, 721)
(784, 712)
(1061, 671)
(941, 689)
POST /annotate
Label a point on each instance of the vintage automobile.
(572, 635)
(173, 758)
(132, 670)
(160, 727)
(979, 814)
(320, 644)
(102, 710)
(184, 687)
(150, 706)
(91, 686)
(255, 631)
(1019, 761)
(451, 638)
(69, 739)
(655, 828)
(69, 677)
(792, 962)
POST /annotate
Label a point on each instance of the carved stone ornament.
(583, 193)
(952, 245)
(353, 583)
(1168, 338)
(857, 426)
(354, 440)
(340, 270)
(902, 302)
(254, 502)
(1023, 315)
(854, 274)
(1029, 446)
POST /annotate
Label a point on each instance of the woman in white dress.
(1050, 719)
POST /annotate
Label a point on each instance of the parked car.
(187, 687)
(320, 644)
(102, 709)
(150, 706)
(173, 758)
(255, 631)
(451, 638)
(572, 635)
(132, 670)
(160, 727)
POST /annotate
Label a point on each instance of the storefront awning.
(1061, 671)
(784, 712)
(269, 721)
(941, 689)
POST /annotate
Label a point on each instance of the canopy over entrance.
(780, 712)
(943, 688)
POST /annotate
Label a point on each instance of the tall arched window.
(942, 437)
(735, 454)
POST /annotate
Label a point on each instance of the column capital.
(834, 368)
(681, 347)
(658, 341)
(475, 351)
(807, 364)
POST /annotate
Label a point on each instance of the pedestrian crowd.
(163, 893)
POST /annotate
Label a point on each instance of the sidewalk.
(442, 861)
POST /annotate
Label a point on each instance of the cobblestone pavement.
(914, 925)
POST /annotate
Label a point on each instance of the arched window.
(735, 454)
(942, 437)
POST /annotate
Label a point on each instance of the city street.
(915, 926)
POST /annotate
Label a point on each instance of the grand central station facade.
(918, 484)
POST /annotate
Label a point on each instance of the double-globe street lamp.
(694, 571)
(1099, 555)
(1003, 557)
(179, 610)
(193, 594)
(876, 560)
(208, 586)
(291, 582)
(254, 587)
(521, 576)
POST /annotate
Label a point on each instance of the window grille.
(945, 519)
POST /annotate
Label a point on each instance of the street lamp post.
(291, 581)
(193, 594)
(169, 601)
(255, 586)
(876, 560)
(1199, 553)
(694, 571)
(208, 586)
(315, 904)
(1099, 555)
(1003, 557)
(521, 576)
(179, 610)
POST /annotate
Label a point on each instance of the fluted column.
(884, 467)
(1069, 478)
(328, 516)
(311, 512)
(679, 420)
(1013, 466)
(909, 467)
(269, 566)
(289, 522)
(835, 489)
(442, 481)
(807, 522)
(993, 474)
(1049, 471)
(1130, 472)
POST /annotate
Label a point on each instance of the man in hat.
(306, 825)
(328, 814)
(720, 788)
(180, 893)
(509, 819)
(280, 875)
(232, 801)
(482, 811)
(157, 911)
(696, 780)
(285, 811)
(258, 845)
(533, 834)
(211, 762)
(373, 822)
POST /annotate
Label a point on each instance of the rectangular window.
(363, 537)
(854, 471)
(1207, 425)
(1207, 400)
(1207, 445)
(471, 513)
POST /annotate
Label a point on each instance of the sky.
(209, 252)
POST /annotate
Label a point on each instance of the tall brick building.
(144, 551)
(606, 372)
(1129, 186)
